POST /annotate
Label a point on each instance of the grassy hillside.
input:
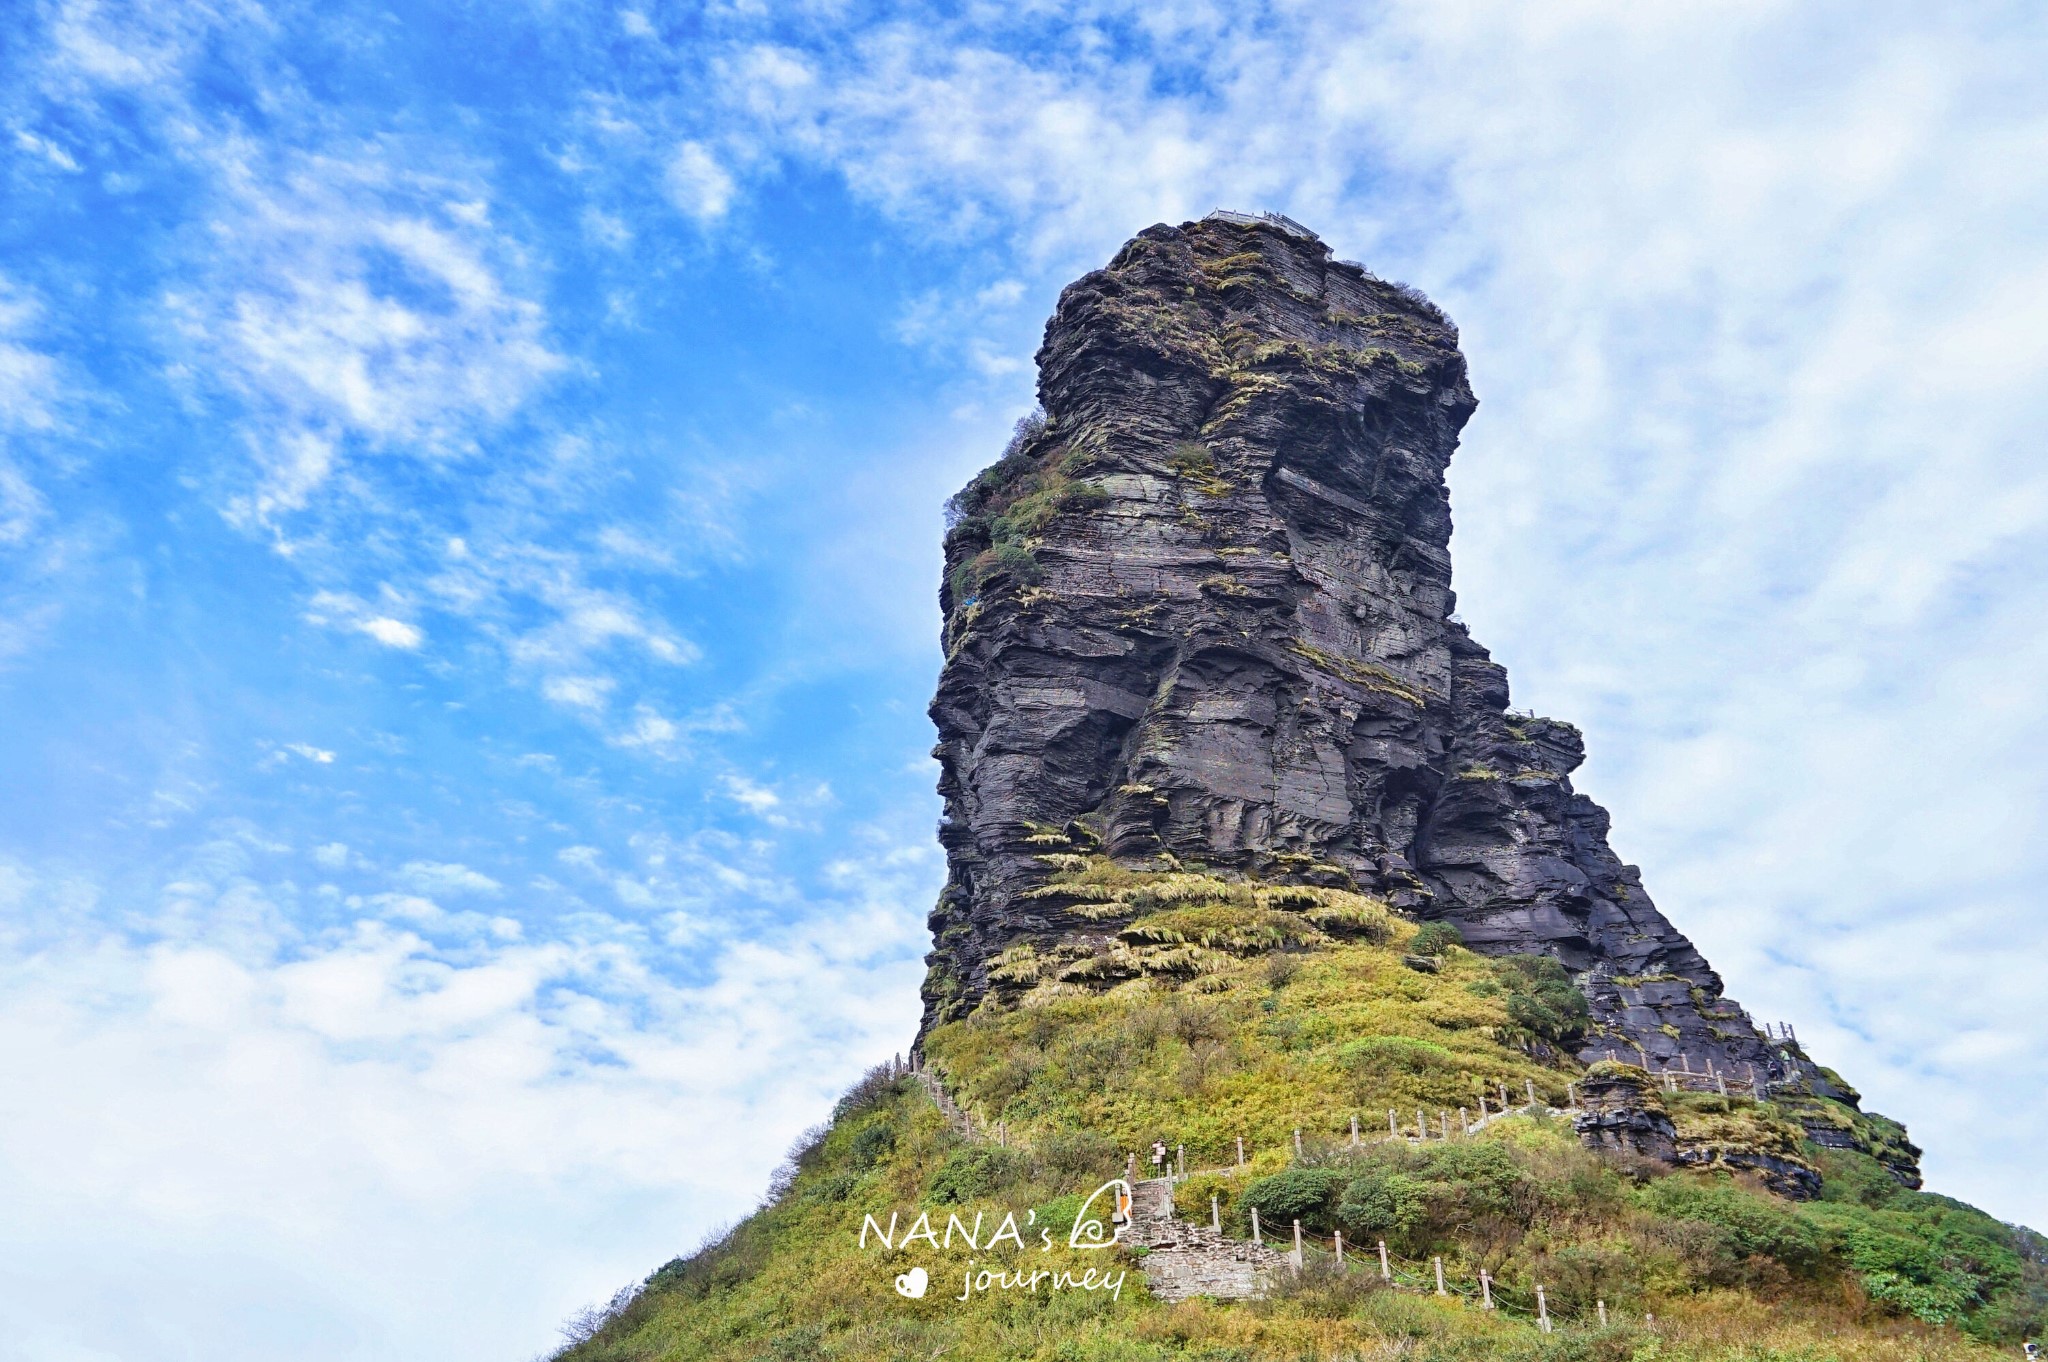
(1203, 1020)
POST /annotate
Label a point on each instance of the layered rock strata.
(1201, 616)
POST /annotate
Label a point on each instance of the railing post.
(1464, 1121)
(1256, 1239)
(1386, 1268)
(1354, 1127)
(1340, 1247)
(1421, 1126)
(1240, 1151)
(1393, 1126)
(1297, 1246)
(1601, 1306)
(1215, 1215)
(1542, 1311)
(1180, 1158)
(1440, 1278)
(1297, 1142)
(1485, 1290)
(1532, 1090)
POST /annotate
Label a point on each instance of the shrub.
(1305, 1194)
(834, 1186)
(1542, 999)
(1012, 559)
(1435, 938)
(1282, 970)
(877, 1086)
(729, 1255)
(972, 1172)
(1191, 1198)
(803, 1156)
(974, 500)
(1909, 1275)
(1578, 1275)
(1378, 1058)
(1059, 1214)
(1382, 1202)
(1073, 1156)
(1753, 1223)
(1469, 1182)
(1322, 1290)
(873, 1141)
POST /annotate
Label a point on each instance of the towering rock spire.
(1202, 615)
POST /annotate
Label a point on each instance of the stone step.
(1185, 1259)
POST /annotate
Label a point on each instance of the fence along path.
(1185, 1258)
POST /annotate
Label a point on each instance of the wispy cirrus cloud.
(357, 306)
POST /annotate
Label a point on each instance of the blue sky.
(469, 513)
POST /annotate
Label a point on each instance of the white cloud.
(538, 605)
(606, 228)
(697, 184)
(48, 150)
(651, 729)
(444, 877)
(778, 809)
(354, 1104)
(392, 633)
(21, 506)
(333, 855)
(318, 755)
(754, 798)
(340, 609)
(29, 384)
(587, 858)
(581, 692)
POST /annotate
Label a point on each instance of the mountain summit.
(1200, 616)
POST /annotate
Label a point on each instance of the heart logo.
(913, 1283)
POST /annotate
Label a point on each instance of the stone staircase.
(1184, 1259)
(943, 1100)
(1181, 1259)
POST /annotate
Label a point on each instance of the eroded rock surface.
(1621, 1110)
(1203, 616)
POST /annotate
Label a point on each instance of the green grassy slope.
(1256, 1014)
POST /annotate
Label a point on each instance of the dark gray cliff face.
(1205, 613)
